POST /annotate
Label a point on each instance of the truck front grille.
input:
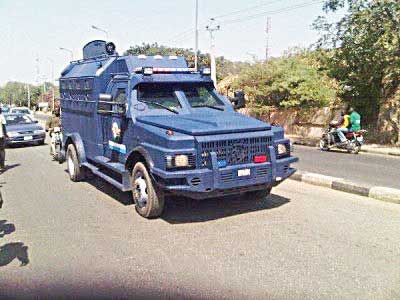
(234, 151)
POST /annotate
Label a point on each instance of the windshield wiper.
(209, 106)
(159, 105)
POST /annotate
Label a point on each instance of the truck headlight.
(282, 149)
(177, 161)
(181, 161)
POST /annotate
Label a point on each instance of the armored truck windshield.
(157, 95)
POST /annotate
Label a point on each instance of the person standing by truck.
(53, 122)
(3, 139)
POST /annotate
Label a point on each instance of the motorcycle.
(56, 141)
(330, 139)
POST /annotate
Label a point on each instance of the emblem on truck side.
(116, 132)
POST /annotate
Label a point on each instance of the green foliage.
(365, 55)
(16, 93)
(295, 80)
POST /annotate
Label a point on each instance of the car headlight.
(39, 131)
(177, 161)
(282, 149)
(12, 134)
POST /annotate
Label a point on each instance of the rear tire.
(149, 199)
(75, 171)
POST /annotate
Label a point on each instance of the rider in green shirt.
(355, 120)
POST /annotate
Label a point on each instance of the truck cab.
(153, 126)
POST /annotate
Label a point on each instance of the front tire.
(149, 199)
(75, 171)
(323, 144)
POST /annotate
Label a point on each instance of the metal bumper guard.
(206, 183)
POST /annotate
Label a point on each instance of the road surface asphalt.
(59, 238)
(364, 168)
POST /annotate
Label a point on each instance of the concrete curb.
(339, 184)
(314, 143)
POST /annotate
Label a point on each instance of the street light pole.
(68, 50)
(101, 29)
(196, 48)
(211, 29)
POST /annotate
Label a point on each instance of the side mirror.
(105, 97)
(239, 100)
(36, 121)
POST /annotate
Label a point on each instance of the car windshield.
(21, 110)
(18, 119)
(161, 95)
(201, 96)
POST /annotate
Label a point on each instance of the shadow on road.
(6, 228)
(110, 190)
(8, 167)
(182, 210)
(11, 251)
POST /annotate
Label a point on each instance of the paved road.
(85, 239)
(370, 169)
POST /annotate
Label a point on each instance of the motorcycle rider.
(355, 120)
(343, 126)
(53, 122)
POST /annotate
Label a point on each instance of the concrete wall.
(307, 123)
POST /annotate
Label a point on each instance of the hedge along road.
(365, 168)
(85, 239)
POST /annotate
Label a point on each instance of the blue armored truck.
(153, 126)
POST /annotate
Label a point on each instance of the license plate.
(244, 172)
(28, 138)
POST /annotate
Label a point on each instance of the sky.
(31, 32)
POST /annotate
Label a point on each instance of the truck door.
(114, 122)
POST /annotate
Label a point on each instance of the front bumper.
(206, 183)
(25, 139)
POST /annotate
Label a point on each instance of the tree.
(365, 51)
(294, 80)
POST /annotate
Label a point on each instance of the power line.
(271, 12)
(246, 9)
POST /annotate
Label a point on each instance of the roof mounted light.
(173, 57)
(142, 56)
(147, 71)
(139, 70)
(158, 57)
(206, 71)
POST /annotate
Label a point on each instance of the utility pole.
(196, 47)
(267, 30)
(211, 29)
(28, 88)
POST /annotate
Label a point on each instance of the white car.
(21, 110)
